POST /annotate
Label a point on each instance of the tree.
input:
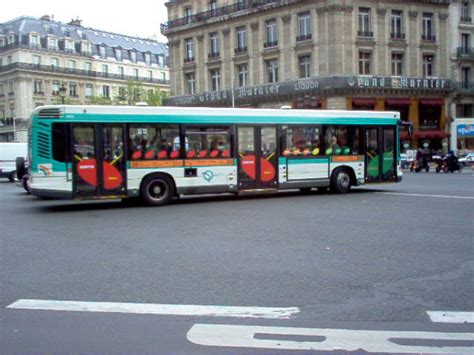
(100, 100)
(134, 92)
(156, 97)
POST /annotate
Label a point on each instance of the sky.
(142, 19)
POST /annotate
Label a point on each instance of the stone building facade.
(39, 58)
(372, 55)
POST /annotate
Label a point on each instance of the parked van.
(8, 154)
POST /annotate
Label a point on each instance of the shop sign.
(465, 130)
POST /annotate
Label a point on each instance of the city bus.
(158, 153)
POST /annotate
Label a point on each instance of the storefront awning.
(404, 135)
(398, 102)
(432, 102)
(364, 101)
(431, 134)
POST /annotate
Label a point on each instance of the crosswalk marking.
(242, 336)
(426, 195)
(158, 309)
(451, 317)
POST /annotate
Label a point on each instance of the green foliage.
(156, 97)
(100, 100)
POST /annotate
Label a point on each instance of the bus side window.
(302, 141)
(208, 142)
(153, 142)
(60, 139)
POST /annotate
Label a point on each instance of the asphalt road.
(376, 259)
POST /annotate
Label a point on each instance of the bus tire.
(20, 167)
(157, 190)
(341, 181)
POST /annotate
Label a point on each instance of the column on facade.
(413, 36)
(201, 74)
(381, 66)
(322, 46)
(226, 55)
(349, 35)
(443, 39)
(335, 18)
(287, 55)
(414, 116)
(255, 41)
(380, 104)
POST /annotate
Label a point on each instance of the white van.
(8, 154)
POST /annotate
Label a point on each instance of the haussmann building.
(320, 54)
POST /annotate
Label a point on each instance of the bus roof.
(215, 115)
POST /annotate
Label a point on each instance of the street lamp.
(62, 93)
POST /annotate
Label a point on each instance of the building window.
(86, 48)
(163, 76)
(242, 74)
(10, 87)
(214, 44)
(147, 59)
(272, 70)
(135, 73)
(465, 77)
(397, 64)
(304, 65)
(189, 44)
(397, 25)
(73, 89)
(215, 79)
(88, 67)
(428, 69)
(55, 62)
(102, 52)
(133, 56)
(188, 14)
(2, 93)
(364, 22)
(34, 41)
(213, 7)
(55, 88)
(304, 26)
(122, 92)
(191, 83)
(38, 87)
(69, 46)
(121, 72)
(89, 90)
(71, 64)
(365, 62)
(105, 70)
(271, 35)
(9, 60)
(150, 75)
(465, 12)
(465, 43)
(36, 60)
(160, 61)
(106, 91)
(428, 32)
(118, 54)
(53, 43)
(241, 39)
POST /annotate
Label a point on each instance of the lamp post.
(62, 93)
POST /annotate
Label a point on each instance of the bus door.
(257, 150)
(103, 144)
(380, 155)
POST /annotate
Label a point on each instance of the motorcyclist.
(452, 160)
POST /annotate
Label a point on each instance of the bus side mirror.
(409, 127)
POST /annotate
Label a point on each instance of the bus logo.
(208, 175)
(45, 169)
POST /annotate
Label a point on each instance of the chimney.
(45, 18)
(77, 22)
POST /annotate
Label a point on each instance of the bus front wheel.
(157, 190)
(341, 181)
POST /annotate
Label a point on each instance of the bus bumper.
(53, 194)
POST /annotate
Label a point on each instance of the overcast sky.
(134, 18)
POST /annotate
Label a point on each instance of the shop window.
(301, 141)
(341, 140)
(208, 142)
(154, 142)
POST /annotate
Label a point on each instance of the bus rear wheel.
(157, 190)
(341, 181)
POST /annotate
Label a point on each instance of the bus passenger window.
(154, 142)
(208, 142)
(301, 141)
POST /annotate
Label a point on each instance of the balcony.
(214, 55)
(38, 93)
(465, 53)
(240, 50)
(428, 38)
(397, 36)
(305, 37)
(77, 72)
(220, 11)
(465, 87)
(270, 44)
(365, 34)
(466, 19)
(188, 60)
(44, 49)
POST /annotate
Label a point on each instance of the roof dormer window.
(34, 41)
(86, 48)
(69, 46)
(102, 52)
(118, 54)
(52, 43)
(147, 58)
(11, 39)
(133, 56)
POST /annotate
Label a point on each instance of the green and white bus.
(157, 153)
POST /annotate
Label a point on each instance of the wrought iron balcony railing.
(270, 44)
(429, 38)
(85, 73)
(466, 19)
(240, 50)
(397, 35)
(365, 34)
(465, 52)
(214, 55)
(188, 59)
(465, 87)
(305, 37)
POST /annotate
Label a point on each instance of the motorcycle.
(451, 165)
(419, 164)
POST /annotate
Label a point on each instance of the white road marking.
(241, 336)
(426, 195)
(451, 317)
(159, 309)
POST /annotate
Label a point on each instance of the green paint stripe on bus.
(308, 161)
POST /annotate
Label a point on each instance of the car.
(467, 160)
(8, 154)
